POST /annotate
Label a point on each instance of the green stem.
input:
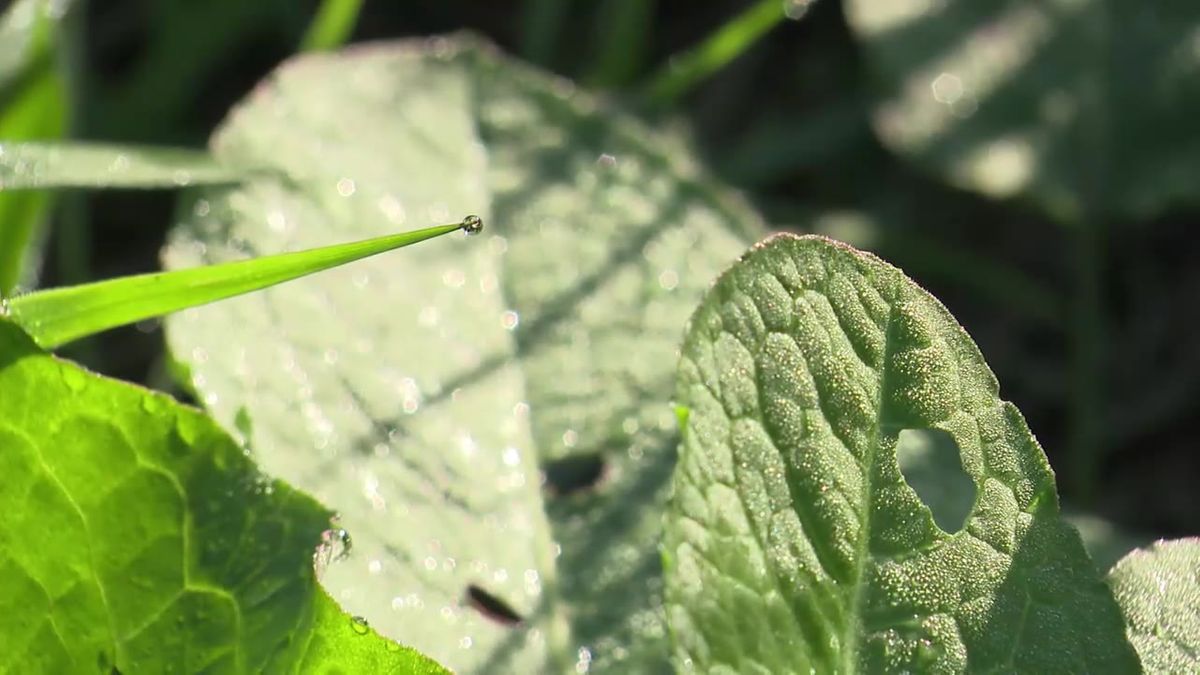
(1088, 401)
(541, 23)
(621, 31)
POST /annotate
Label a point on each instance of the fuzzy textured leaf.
(793, 541)
(429, 399)
(137, 537)
(1158, 588)
(1079, 106)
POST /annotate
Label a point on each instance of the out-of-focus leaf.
(1105, 541)
(431, 400)
(1158, 588)
(137, 537)
(794, 543)
(1071, 104)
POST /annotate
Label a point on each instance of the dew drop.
(472, 224)
(796, 9)
(334, 547)
(152, 404)
(359, 625)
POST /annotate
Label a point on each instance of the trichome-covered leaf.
(1158, 588)
(137, 537)
(491, 417)
(1078, 106)
(793, 542)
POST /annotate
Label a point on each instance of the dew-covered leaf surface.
(1158, 588)
(1076, 105)
(427, 396)
(793, 541)
(137, 537)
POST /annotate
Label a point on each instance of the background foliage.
(789, 121)
(1071, 280)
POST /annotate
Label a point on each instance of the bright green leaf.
(30, 166)
(137, 537)
(1075, 105)
(1159, 590)
(794, 543)
(57, 316)
(425, 398)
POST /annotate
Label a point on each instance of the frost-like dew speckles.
(799, 371)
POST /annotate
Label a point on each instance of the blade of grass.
(57, 316)
(32, 105)
(541, 23)
(34, 166)
(332, 25)
(684, 71)
(622, 29)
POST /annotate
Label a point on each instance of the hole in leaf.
(573, 474)
(932, 466)
(492, 607)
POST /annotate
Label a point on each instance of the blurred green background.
(1085, 309)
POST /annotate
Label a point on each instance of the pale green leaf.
(1079, 106)
(794, 543)
(1158, 588)
(426, 398)
(137, 537)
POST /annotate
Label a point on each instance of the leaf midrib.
(852, 636)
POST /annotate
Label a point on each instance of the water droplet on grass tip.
(472, 224)
(359, 625)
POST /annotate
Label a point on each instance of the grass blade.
(33, 104)
(332, 25)
(684, 71)
(60, 315)
(33, 166)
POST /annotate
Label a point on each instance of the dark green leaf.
(794, 542)
(1159, 590)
